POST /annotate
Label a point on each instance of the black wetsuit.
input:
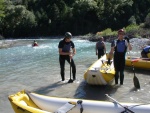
(66, 48)
(119, 59)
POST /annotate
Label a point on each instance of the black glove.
(127, 39)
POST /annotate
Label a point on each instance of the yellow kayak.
(99, 73)
(28, 102)
(138, 62)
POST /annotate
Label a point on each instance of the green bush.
(147, 21)
(133, 28)
(108, 32)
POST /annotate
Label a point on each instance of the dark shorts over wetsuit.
(66, 48)
(100, 53)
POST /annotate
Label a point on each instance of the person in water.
(66, 52)
(119, 48)
(35, 43)
(146, 52)
(100, 48)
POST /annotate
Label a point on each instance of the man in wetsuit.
(119, 48)
(65, 46)
(100, 48)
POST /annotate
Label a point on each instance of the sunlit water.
(37, 69)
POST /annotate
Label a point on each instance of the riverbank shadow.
(94, 92)
(49, 88)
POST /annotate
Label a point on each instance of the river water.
(37, 70)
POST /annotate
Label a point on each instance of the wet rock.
(140, 43)
(6, 44)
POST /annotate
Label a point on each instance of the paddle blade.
(70, 81)
(136, 82)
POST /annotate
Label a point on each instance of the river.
(37, 70)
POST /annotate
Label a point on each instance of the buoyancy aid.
(120, 46)
(147, 49)
(66, 47)
(35, 44)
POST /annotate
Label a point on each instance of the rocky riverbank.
(139, 43)
(6, 43)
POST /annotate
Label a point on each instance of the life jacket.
(100, 45)
(35, 44)
(120, 46)
(66, 47)
(147, 49)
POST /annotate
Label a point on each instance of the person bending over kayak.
(119, 48)
(146, 52)
(65, 53)
(100, 48)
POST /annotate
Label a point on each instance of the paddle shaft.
(133, 68)
(70, 63)
(119, 103)
(135, 79)
(70, 68)
(70, 80)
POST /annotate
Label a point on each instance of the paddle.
(137, 58)
(126, 109)
(70, 80)
(135, 79)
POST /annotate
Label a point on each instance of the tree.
(147, 21)
(2, 14)
(85, 17)
(132, 20)
(2, 8)
(17, 19)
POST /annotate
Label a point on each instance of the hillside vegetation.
(28, 18)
